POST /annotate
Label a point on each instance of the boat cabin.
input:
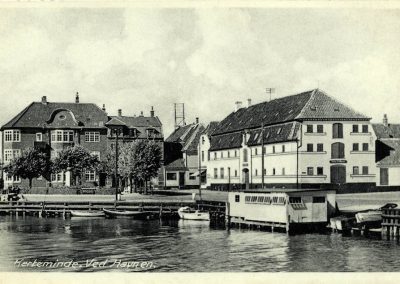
(282, 208)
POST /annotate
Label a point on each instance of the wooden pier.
(50, 208)
(390, 223)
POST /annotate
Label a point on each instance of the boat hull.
(185, 214)
(75, 213)
(125, 214)
(369, 217)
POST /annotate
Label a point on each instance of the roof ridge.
(303, 110)
(194, 134)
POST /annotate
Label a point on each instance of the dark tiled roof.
(140, 121)
(176, 165)
(272, 112)
(115, 121)
(272, 134)
(313, 104)
(211, 127)
(393, 159)
(192, 144)
(37, 114)
(178, 133)
(389, 131)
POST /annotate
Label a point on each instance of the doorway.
(246, 179)
(384, 176)
(338, 174)
(181, 179)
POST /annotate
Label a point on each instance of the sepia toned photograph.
(199, 138)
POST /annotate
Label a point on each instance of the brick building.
(53, 126)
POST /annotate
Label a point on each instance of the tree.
(126, 162)
(147, 159)
(31, 164)
(76, 160)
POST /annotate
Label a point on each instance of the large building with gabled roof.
(307, 140)
(53, 126)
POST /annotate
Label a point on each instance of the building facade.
(181, 157)
(388, 155)
(53, 126)
(308, 140)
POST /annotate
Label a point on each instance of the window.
(295, 200)
(318, 199)
(355, 147)
(222, 154)
(235, 153)
(13, 179)
(273, 171)
(320, 147)
(62, 136)
(202, 140)
(264, 150)
(256, 172)
(356, 171)
(337, 130)
(320, 171)
(215, 173)
(39, 137)
(365, 128)
(91, 136)
(150, 133)
(171, 176)
(265, 171)
(58, 177)
(90, 176)
(320, 128)
(191, 176)
(222, 172)
(310, 171)
(202, 156)
(310, 128)
(365, 170)
(365, 146)
(310, 147)
(283, 171)
(337, 150)
(133, 132)
(215, 155)
(245, 155)
(236, 173)
(237, 198)
(10, 154)
(208, 156)
(283, 148)
(229, 154)
(355, 128)
(12, 136)
(256, 152)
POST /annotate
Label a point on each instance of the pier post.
(396, 232)
(161, 210)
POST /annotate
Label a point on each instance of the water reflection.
(184, 245)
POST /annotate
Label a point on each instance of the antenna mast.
(270, 91)
(179, 115)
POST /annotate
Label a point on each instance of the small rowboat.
(76, 213)
(373, 216)
(124, 213)
(187, 213)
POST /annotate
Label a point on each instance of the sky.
(135, 58)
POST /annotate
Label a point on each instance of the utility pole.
(262, 155)
(270, 91)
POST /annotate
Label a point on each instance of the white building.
(310, 140)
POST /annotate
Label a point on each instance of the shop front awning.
(196, 174)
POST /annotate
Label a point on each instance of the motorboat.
(373, 215)
(94, 213)
(187, 213)
(113, 213)
(341, 223)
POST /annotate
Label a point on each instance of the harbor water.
(99, 244)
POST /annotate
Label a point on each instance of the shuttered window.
(337, 150)
(337, 130)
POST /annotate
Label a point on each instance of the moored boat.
(77, 213)
(124, 213)
(373, 216)
(186, 213)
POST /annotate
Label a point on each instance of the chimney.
(197, 120)
(119, 112)
(77, 98)
(238, 105)
(44, 100)
(248, 102)
(104, 107)
(152, 112)
(141, 113)
(385, 120)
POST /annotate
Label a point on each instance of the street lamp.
(116, 128)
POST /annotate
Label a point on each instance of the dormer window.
(151, 133)
(133, 132)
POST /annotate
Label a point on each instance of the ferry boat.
(186, 213)
(76, 213)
